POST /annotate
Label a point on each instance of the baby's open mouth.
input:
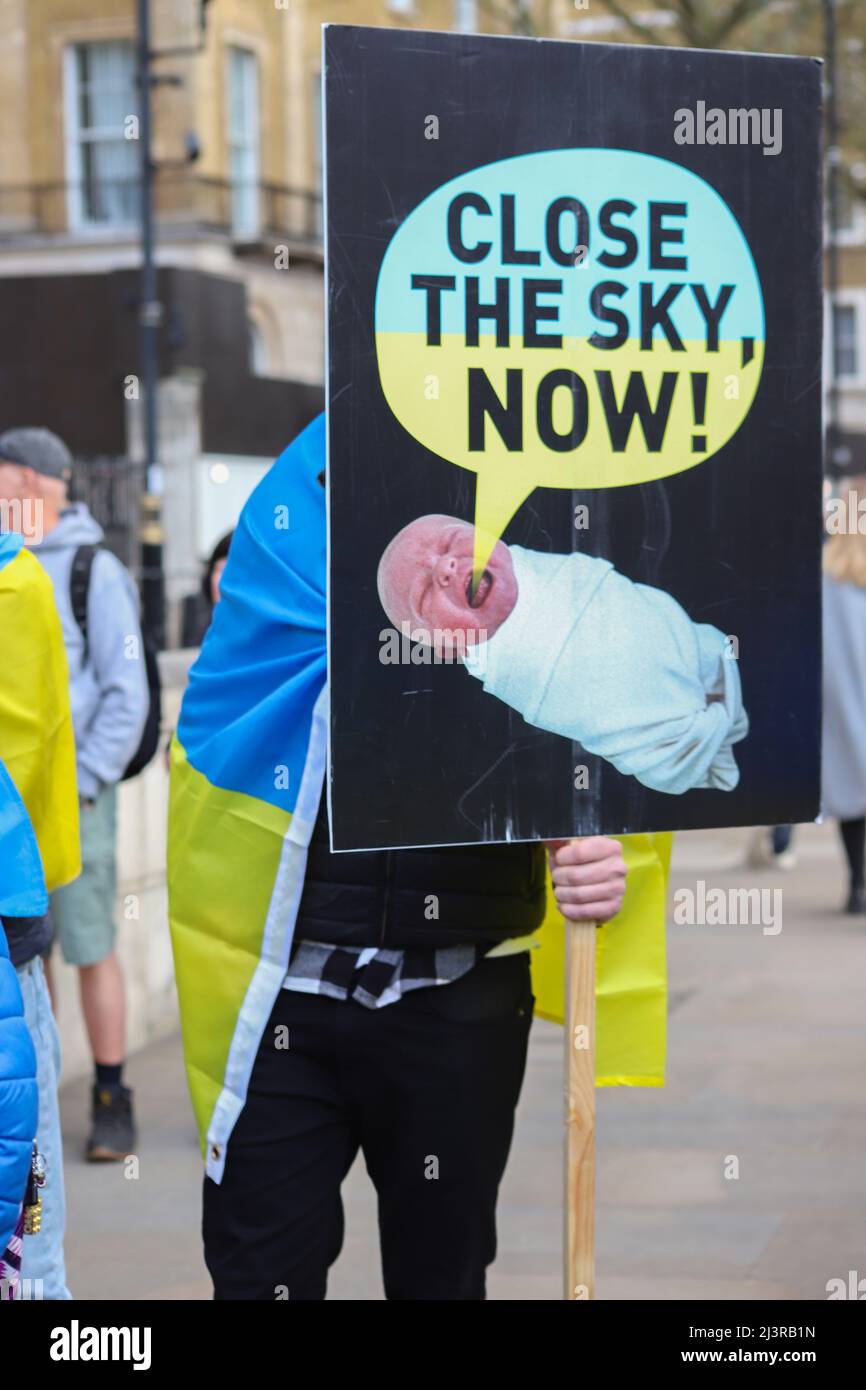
(485, 584)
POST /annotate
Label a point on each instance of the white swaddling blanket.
(618, 667)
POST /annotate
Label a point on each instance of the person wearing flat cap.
(110, 701)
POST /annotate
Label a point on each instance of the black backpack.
(79, 588)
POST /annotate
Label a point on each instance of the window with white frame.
(845, 206)
(244, 135)
(845, 346)
(851, 213)
(102, 156)
(466, 16)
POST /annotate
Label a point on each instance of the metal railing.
(262, 212)
(112, 487)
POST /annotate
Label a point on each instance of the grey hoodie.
(108, 691)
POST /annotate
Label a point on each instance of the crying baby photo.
(576, 649)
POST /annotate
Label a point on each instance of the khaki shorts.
(83, 911)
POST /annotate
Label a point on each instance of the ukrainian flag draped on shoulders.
(247, 769)
(39, 839)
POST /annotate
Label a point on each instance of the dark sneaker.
(856, 900)
(113, 1135)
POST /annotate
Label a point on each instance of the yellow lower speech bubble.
(571, 417)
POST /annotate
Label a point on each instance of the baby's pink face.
(425, 579)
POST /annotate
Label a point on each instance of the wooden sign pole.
(579, 1232)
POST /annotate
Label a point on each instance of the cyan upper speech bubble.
(572, 319)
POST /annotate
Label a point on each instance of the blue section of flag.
(22, 882)
(10, 544)
(245, 721)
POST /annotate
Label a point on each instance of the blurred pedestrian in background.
(198, 608)
(844, 731)
(110, 705)
(771, 848)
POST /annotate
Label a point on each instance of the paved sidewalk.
(767, 1057)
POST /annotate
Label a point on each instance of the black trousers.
(425, 1087)
(853, 834)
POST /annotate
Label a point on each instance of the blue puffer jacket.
(17, 1097)
(22, 893)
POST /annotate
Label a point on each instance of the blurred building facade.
(239, 242)
(239, 228)
(780, 26)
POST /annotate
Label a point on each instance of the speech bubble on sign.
(570, 319)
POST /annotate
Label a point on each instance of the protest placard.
(574, 438)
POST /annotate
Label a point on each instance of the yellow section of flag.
(36, 739)
(630, 978)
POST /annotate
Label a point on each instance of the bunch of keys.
(33, 1195)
